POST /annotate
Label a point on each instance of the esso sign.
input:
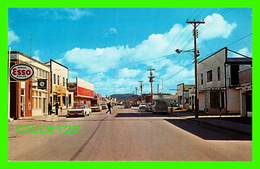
(21, 72)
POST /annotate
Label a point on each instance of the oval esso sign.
(21, 72)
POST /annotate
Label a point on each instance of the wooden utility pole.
(196, 54)
(151, 81)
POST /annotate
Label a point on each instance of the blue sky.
(113, 48)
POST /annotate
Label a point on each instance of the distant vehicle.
(149, 107)
(103, 106)
(142, 106)
(96, 107)
(77, 110)
(135, 105)
(160, 106)
(127, 105)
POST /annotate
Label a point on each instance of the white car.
(77, 110)
(142, 106)
(96, 107)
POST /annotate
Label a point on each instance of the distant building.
(183, 95)
(218, 79)
(83, 91)
(168, 98)
(29, 97)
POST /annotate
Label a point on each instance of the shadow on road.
(208, 132)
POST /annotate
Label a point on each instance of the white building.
(59, 81)
(218, 79)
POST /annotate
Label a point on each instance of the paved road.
(129, 135)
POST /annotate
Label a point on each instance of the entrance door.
(23, 106)
(44, 105)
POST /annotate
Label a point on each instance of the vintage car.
(103, 106)
(142, 106)
(127, 105)
(149, 107)
(160, 106)
(96, 107)
(79, 110)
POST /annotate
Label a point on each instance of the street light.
(196, 54)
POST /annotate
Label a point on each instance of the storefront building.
(28, 97)
(218, 82)
(83, 91)
(59, 80)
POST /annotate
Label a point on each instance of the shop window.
(218, 70)
(58, 80)
(209, 76)
(234, 75)
(201, 79)
(54, 79)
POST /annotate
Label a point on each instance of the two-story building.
(218, 79)
(29, 97)
(59, 80)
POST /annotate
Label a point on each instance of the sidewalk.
(230, 122)
(45, 117)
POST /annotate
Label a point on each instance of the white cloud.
(215, 26)
(243, 51)
(112, 31)
(12, 37)
(128, 73)
(76, 13)
(149, 52)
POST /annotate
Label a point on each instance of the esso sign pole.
(21, 72)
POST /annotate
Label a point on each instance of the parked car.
(96, 107)
(135, 105)
(142, 106)
(127, 105)
(149, 107)
(82, 110)
(103, 106)
(160, 106)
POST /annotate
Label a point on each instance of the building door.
(249, 104)
(28, 98)
(222, 99)
(44, 105)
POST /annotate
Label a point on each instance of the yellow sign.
(59, 89)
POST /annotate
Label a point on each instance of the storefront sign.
(85, 92)
(42, 83)
(21, 72)
(215, 88)
(59, 89)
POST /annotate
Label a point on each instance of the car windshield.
(79, 106)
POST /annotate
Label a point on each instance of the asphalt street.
(128, 135)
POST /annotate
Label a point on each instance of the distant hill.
(124, 96)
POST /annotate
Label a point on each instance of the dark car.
(127, 105)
